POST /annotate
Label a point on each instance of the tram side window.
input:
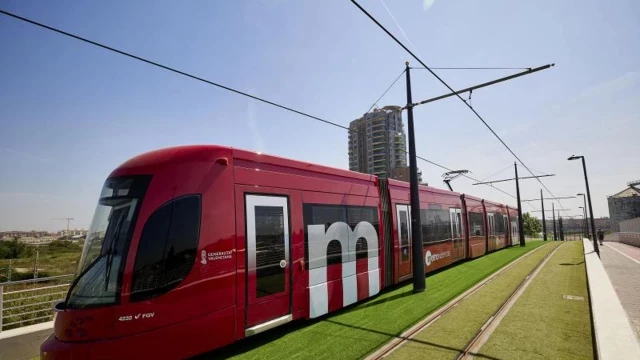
(167, 248)
(323, 214)
(499, 223)
(436, 225)
(361, 248)
(477, 224)
(334, 252)
(270, 277)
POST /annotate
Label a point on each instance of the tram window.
(477, 224)
(403, 223)
(334, 252)
(167, 248)
(356, 214)
(270, 277)
(324, 214)
(361, 249)
(436, 224)
(499, 223)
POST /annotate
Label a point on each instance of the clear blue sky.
(71, 112)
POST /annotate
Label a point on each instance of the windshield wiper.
(111, 249)
(81, 275)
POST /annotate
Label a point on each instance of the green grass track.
(356, 331)
(556, 328)
(448, 336)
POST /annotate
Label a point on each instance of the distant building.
(37, 240)
(624, 205)
(403, 174)
(73, 232)
(377, 143)
(9, 235)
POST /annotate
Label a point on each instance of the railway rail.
(485, 331)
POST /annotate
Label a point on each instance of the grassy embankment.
(33, 306)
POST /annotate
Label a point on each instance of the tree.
(13, 249)
(532, 226)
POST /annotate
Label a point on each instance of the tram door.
(492, 232)
(457, 233)
(506, 242)
(403, 216)
(268, 265)
(515, 235)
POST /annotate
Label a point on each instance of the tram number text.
(136, 317)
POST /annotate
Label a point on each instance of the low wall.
(630, 232)
(632, 239)
(24, 343)
(614, 336)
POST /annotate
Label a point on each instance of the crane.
(68, 221)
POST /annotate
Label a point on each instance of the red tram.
(200, 246)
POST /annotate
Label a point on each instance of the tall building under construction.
(377, 143)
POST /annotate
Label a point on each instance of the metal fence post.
(35, 266)
(1, 300)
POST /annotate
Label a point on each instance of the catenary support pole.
(419, 282)
(544, 222)
(520, 226)
(553, 212)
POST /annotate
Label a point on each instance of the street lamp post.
(586, 182)
(584, 221)
(584, 209)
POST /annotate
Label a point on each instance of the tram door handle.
(283, 263)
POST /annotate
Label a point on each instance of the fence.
(29, 302)
(630, 232)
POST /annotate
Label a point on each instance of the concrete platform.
(614, 333)
(24, 343)
(622, 263)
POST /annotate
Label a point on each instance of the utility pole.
(560, 226)
(520, 226)
(596, 248)
(553, 211)
(419, 278)
(544, 222)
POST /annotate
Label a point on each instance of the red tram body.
(200, 246)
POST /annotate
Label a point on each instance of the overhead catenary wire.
(168, 68)
(452, 90)
(194, 77)
(375, 103)
(399, 27)
(432, 162)
(471, 68)
(497, 172)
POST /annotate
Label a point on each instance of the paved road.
(622, 263)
